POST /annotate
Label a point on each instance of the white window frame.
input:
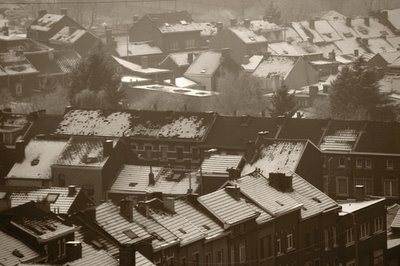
(359, 163)
(378, 224)
(389, 164)
(326, 239)
(279, 246)
(364, 230)
(242, 252)
(368, 164)
(338, 178)
(350, 236)
(18, 89)
(289, 242)
(393, 184)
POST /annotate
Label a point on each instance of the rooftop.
(39, 156)
(14, 251)
(275, 66)
(396, 221)
(135, 179)
(247, 35)
(126, 49)
(68, 35)
(146, 124)
(12, 64)
(218, 164)
(46, 22)
(205, 64)
(253, 63)
(394, 17)
(12, 122)
(137, 68)
(177, 90)
(354, 206)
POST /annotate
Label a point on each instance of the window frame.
(364, 230)
(290, 242)
(340, 165)
(279, 246)
(242, 252)
(350, 236)
(393, 187)
(338, 192)
(359, 163)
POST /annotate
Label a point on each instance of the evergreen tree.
(272, 14)
(355, 94)
(95, 83)
(282, 103)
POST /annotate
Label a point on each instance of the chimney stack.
(127, 255)
(220, 27)
(359, 192)
(356, 52)
(246, 23)
(20, 150)
(313, 91)
(126, 209)
(169, 204)
(234, 191)
(246, 60)
(234, 173)
(233, 22)
(332, 55)
(152, 181)
(42, 12)
(190, 57)
(144, 62)
(64, 11)
(348, 22)
(71, 190)
(107, 147)
(385, 14)
(73, 250)
(281, 182)
(366, 21)
(311, 23)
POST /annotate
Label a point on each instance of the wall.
(310, 166)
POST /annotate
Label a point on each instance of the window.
(359, 163)
(368, 163)
(18, 89)
(341, 186)
(279, 246)
(179, 153)
(334, 240)
(196, 259)
(378, 257)
(148, 151)
(389, 164)
(190, 43)
(164, 152)
(342, 162)
(170, 259)
(289, 241)
(364, 230)
(389, 188)
(242, 252)
(208, 259)
(326, 238)
(349, 237)
(174, 45)
(325, 184)
(378, 224)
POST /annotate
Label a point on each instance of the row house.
(172, 31)
(157, 137)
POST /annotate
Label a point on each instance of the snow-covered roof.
(39, 156)
(294, 48)
(275, 66)
(137, 68)
(353, 206)
(253, 63)
(378, 45)
(12, 64)
(125, 49)
(45, 22)
(177, 90)
(263, 26)
(247, 35)
(68, 35)
(394, 17)
(182, 82)
(205, 64)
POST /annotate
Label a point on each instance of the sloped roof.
(253, 63)
(125, 49)
(354, 206)
(62, 204)
(341, 135)
(146, 124)
(135, 179)
(326, 31)
(170, 17)
(181, 58)
(226, 208)
(218, 164)
(311, 129)
(275, 66)
(92, 241)
(394, 17)
(374, 30)
(8, 246)
(294, 48)
(12, 64)
(39, 156)
(396, 221)
(46, 22)
(98, 257)
(68, 35)
(22, 44)
(84, 151)
(247, 36)
(205, 64)
(305, 32)
(390, 57)
(378, 45)
(109, 218)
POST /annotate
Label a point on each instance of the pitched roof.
(62, 203)
(226, 208)
(84, 151)
(109, 218)
(275, 66)
(181, 58)
(144, 124)
(137, 68)
(253, 63)
(394, 17)
(46, 22)
(135, 179)
(342, 135)
(294, 48)
(218, 164)
(13, 64)
(93, 241)
(39, 156)
(98, 257)
(68, 35)
(125, 49)
(247, 36)
(205, 64)
(170, 17)
(22, 44)
(13, 251)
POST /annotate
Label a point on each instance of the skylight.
(129, 233)
(52, 197)
(280, 203)
(206, 227)
(316, 199)
(182, 231)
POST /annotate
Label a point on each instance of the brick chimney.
(169, 204)
(348, 22)
(71, 191)
(313, 91)
(73, 250)
(152, 181)
(233, 22)
(359, 192)
(127, 255)
(107, 147)
(220, 27)
(20, 150)
(281, 182)
(246, 23)
(332, 55)
(234, 191)
(64, 11)
(246, 60)
(126, 209)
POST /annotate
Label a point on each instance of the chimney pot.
(20, 150)
(71, 190)
(73, 250)
(107, 147)
(348, 22)
(169, 204)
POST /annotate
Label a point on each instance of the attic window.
(280, 203)
(316, 199)
(129, 233)
(52, 197)
(133, 184)
(206, 227)
(182, 231)
(17, 253)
